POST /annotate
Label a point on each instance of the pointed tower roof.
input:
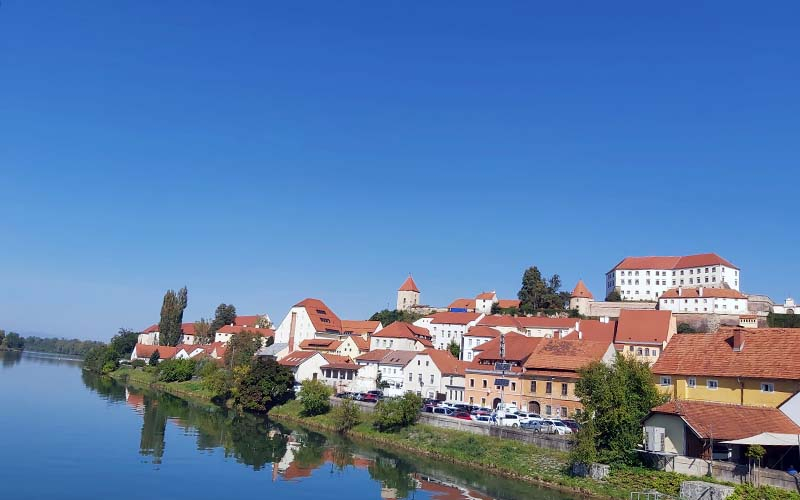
(581, 291)
(408, 285)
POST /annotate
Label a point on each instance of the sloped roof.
(594, 330)
(373, 356)
(408, 286)
(151, 329)
(685, 262)
(508, 303)
(768, 353)
(545, 322)
(518, 348)
(361, 343)
(445, 361)
(400, 358)
(495, 320)
(402, 330)
(246, 320)
(335, 358)
(462, 304)
(580, 291)
(164, 351)
(322, 317)
(727, 422)
(643, 326)
(565, 355)
(320, 344)
(486, 296)
(694, 293)
(359, 327)
(297, 358)
(454, 318)
(482, 331)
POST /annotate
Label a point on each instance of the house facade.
(447, 327)
(308, 319)
(407, 295)
(643, 334)
(475, 337)
(435, 374)
(703, 300)
(401, 336)
(481, 376)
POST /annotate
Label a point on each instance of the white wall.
(709, 305)
(309, 368)
(649, 284)
(426, 379)
(444, 333)
(470, 343)
(395, 344)
(484, 306)
(304, 329)
(148, 338)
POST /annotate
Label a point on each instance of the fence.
(734, 473)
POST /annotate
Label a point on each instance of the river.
(68, 434)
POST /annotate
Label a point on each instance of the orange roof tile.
(359, 327)
(335, 358)
(320, 344)
(699, 260)
(580, 291)
(445, 362)
(725, 422)
(482, 331)
(402, 330)
(565, 355)
(508, 303)
(768, 353)
(323, 319)
(518, 348)
(454, 318)
(643, 327)
(297, 358)
(373, 356)
(151, 329)
(462, 304)
(495, 320)
(361, 343)
(594, 330)
(246, 320)
(408, 286)
(164, 351)
(486, 296)
(694, 293)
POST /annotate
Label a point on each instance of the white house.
(149, 335)
(647, 278)
(788, 307)
(703, 300)
(435, 374)
(476, 336)
(390, 365)
(340, 372)
(308, 319)
(305, 365)
(502, 323)
(447, 327)
(542, 326)
(401, 336)
(144, 351)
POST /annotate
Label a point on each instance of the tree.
(172, 308)
(100, 358)
(154, 358)
(315, 397)
(241, 348)
(176, 370)
(13, 341)
(202, 332)
(262, 385)
(2, 336)
(685, 328)
(584, 450)
(263, 322)
(387, 317)
(396, 413)
(346, 415)
(379, 382)
(224, 315)
(123, 342)
(454, 349)
(614, 296)
(618, 398)
(538, 292)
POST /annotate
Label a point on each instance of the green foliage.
(783, 320)
(13, 340)
(68, 347)
(614, 296)
(262, 385)
(755, 452)
(123, 342)
(138, 363)
(380, 383)
(584, 450)
(155, 358)
(619, 397)
(454, 349)
(202, 332)
(396, 413)
(172, 317)
(241, 348)
(218, 382)
(176, 370)
(394, 474)
(538, 292)
(315, 397)
(750, 492)
(100, 358)
(346, 415)
(2, 337)
(224, 315)
(387, 317)
(685, 328)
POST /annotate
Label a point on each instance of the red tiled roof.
(699, 260)
(642, 327)
(297, 358)
(264, 332)
(482, 331)
(725, 422)
(694, 293)
(462, 304)
(151, 329)
(508, 303)
(361, 343)
(518, 348)
(401, 358)
(545, 322)
(359, 327)
(323, 319)
(402, 330)
(454, 318)
(320, 344)
(594, 330)
(408, 286)
(580, 291)
(486, 296)
(495, 320)
(164, 351)
(567, 355)
(335, 358)
(246, 320)
(768, 353)
(445, 361)
(187, 328)
(376, 355)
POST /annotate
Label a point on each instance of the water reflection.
(9, 358)
(295, 454)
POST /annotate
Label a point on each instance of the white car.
(507, 408)
(443, 410)
(526, 417)
(553, 426)
(482, 419)
(508, 420)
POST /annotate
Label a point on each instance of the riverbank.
(191, 390)
(513, 459)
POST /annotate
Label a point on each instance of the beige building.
(407, 295)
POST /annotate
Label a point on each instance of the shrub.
(396, 413)
(315, 397)
(155, 358)
(685, 328)
(138, 363)
(262, 385)
(100, 359)
(176, 370)
(346, 416)
(218, 382)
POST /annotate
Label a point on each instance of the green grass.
(192, 389)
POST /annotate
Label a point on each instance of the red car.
(369, 398)
(462, 415)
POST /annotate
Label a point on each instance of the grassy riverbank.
(511, 458)
(144, 378)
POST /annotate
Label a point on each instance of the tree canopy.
(387, 317)
(224, 315)
(539, 292)
(123, 342)
(172, 317)
(202, 332)
(12, 340)
(241, 348)
(262, 385)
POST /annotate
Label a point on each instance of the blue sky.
(261, 153)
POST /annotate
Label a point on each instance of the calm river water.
(66, 434)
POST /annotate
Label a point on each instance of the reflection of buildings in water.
(441, 490)
(286, 461)
(136, 401)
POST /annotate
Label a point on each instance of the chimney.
(580, 335)
(700, 291)
(291, 331)
(680, 292)
(738, 341)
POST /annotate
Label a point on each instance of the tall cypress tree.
(172, 317)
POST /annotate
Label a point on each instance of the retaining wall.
(733, 473)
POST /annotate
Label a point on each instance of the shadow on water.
(294, 453)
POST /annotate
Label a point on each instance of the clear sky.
(261, 152)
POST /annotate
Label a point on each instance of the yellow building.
(751, 367)
(480, 388)
(644, 334)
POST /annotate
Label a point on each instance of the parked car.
(509, 420)
(484, 418)
(553, 426)
(507, 407)
(376, 393)
(525, 417)
(369, 398)
(573, 425)
(462, 415)
(481, 411)
(533, 425)
(345, 395)
(441, 410)
(428, 408)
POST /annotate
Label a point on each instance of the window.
(513, 386)
(630, 348)
(767, 387)
(655, 352)
(471, 400)
(410, 377)
(431, 379)
(666, 380)
(483, 401)
(639, 351)
(533, 386)
(484, 384)
(563, 412)
(563, 389)
(548, 388)
(712, 384)
(472, 382)
(647, 351)
(691, 382)
(548, 410)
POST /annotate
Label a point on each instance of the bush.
(100, 359)
(346, 416)
(138, 363)
(262, 385)
(219, 382)
(685, 328)
(315, 397)
(155, 358)
(396, 413)
(176, 370)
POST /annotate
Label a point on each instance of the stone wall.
(734, 473)
(612, 309)
(706, 322)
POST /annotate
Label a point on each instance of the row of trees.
(387, 317)
(11, 340)
(104, 358)
(68, 347)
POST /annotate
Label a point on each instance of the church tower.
(580, 298)
(407, 295)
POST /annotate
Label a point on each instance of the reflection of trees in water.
(103, 385)
(393, 474)
(154, 427)
(10, 358)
